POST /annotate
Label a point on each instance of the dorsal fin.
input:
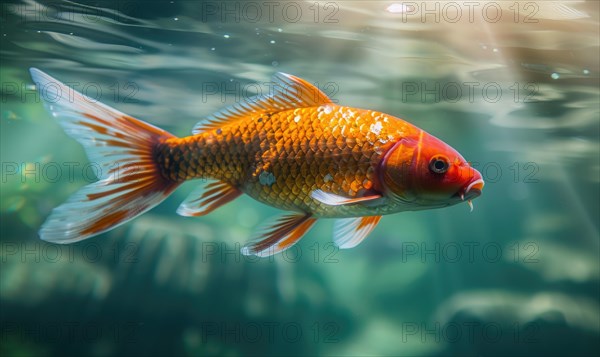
(286, 92)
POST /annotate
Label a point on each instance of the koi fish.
(293, 149)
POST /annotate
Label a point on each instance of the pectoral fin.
(332, 199)
(284, 233)
(349, 232)
(206, 199)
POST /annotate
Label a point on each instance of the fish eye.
(439, 164)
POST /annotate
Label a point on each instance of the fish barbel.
(293, 149)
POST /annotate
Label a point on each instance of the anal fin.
(208, 198)
(284, 233)
(349, 232)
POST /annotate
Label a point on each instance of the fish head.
(429, 173)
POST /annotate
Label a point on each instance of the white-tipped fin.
(280, 235)
(207, 198)
(332, 199)
(349, 232)
(287, 92)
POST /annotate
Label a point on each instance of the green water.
(518, 95)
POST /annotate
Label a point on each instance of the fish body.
(281, 158)
(293, 149)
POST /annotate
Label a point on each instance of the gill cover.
(395, 170)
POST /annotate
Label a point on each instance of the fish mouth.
(471, 191)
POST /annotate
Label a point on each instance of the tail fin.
(122, 147)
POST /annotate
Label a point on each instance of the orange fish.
(293, 149)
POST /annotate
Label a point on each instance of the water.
(517, 95)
